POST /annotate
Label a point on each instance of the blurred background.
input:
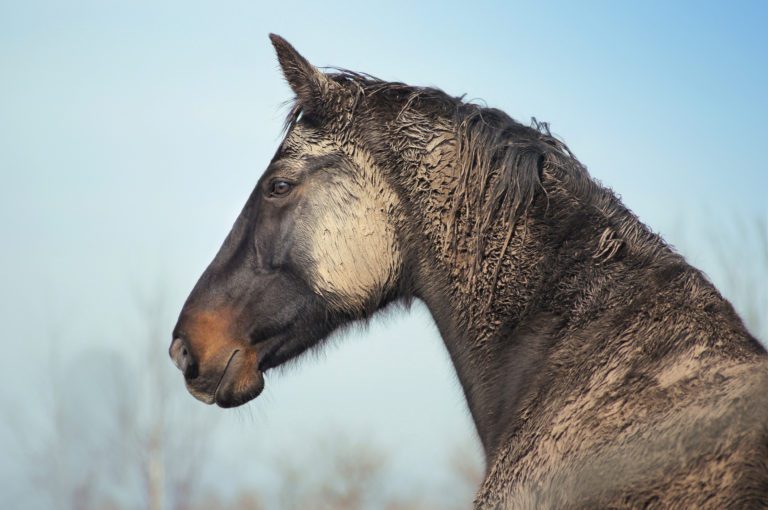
(131, 134)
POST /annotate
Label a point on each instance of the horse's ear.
(307, 82)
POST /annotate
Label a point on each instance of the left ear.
(307, 82)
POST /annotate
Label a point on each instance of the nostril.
(191, 370)
(182, 358)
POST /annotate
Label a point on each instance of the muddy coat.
(601, 369)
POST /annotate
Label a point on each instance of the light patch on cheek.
(353, 244)
(348, 232)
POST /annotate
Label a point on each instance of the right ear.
(307, 82)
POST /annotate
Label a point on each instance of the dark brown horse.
(600, 368)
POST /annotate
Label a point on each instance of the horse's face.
(314, 247)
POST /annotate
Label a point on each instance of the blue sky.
(131, 134)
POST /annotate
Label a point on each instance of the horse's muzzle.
(217, 368)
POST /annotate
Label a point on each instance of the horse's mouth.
(241, 381)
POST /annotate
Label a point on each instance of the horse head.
(315, 246)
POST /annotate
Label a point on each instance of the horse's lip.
(241, 381)
(223, 374)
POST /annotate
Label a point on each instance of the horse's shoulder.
(700, 430)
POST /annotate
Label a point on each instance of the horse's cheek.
(352, 245)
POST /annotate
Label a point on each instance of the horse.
(600, 368)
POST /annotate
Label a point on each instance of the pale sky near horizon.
(131, 134)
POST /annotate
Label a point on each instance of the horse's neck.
(499, 323)
(529, 323)
(574, 275)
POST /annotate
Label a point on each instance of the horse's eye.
(280, 188)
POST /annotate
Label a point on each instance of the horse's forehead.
(303, 140)
(303, 143)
